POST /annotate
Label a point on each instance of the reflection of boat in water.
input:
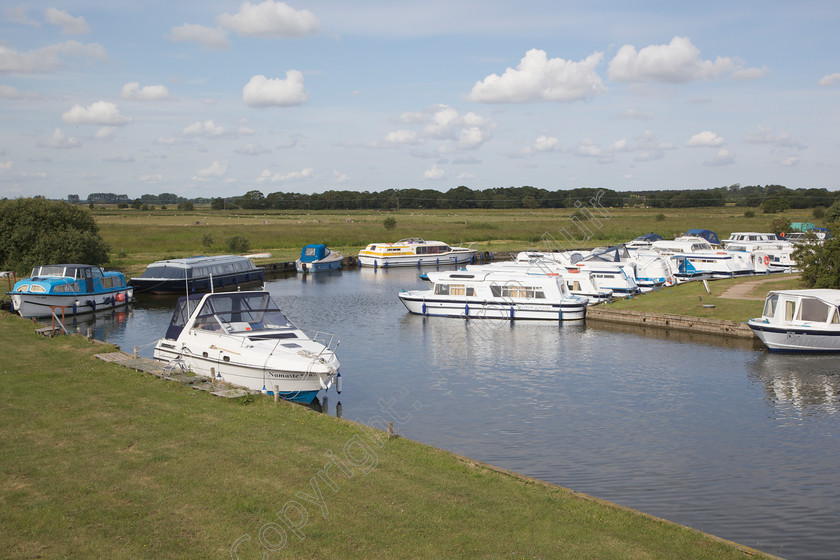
(244, 339)
(809, 382)
(800, 321)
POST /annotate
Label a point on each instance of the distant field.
(139, 237)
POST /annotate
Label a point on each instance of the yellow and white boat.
(414, 251)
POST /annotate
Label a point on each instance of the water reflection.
(799, 384)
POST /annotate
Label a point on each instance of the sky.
(218, 98)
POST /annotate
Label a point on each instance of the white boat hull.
(35, 305)
(492, 310)
(797, 338)
(418, 260)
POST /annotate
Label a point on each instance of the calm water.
(706, 432)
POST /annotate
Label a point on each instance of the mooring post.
(135, 351)
(390, 430)
(277, 393)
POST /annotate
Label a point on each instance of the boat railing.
(328, 341)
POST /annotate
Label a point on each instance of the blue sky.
(217, 98)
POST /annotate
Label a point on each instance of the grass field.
(98, 461)
(138, 238)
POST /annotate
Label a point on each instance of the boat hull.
(458, 257)
(35, 305)
(796, 338)
(477, 309)
(296, 385)
(318, 266)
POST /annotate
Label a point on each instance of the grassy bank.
(97, 461)
(138, 238)
(685, 299)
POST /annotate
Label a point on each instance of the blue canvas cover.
(313, 252)
(706, 234)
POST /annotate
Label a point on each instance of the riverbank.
(100, 461)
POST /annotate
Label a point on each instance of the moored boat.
(244, 339)
(800, 321)
(503, 294)
(318, 257)
(198, 274)
(414, 251)
(69, 289)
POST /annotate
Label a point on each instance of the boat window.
(112, 282)
(310, 252)
(442, 289)
(812, 309)
(789, 308)
(71, 287)
(770, 306)
(163, 272)
(461, 290)
(36, 288)
(833, 317)
(22, 288)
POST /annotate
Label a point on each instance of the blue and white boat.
(800, 321)
(317, 257)
(243, 338)
(69, 289)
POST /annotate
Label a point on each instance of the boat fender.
(467, 309)
(511, 312)
(338, 383)
(423, 309)
(560, 311)
(120, 297)
(92, 304)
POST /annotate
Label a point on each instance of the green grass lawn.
(98, 461)
(684, 299)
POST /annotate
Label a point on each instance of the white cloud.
(9, 92)
(750, 73)
(206, 129)
(212, 38)
(253, 150)
(722, 157)
(216, 169)
(291, 176)
(588, 148)
(705, 139)
(636, 114)
(101, 113)
(105, 132)
(18, 14)
(403, 137)
(766, 135)
(60, 140)
(790, 161)
(263, 92)
(677, 62)
(270, 20)
(6, 166)
(434, 173)
(339, 177)
(544, 144)
(539, 78)
(829, 80)
(48, 58)
(125, 158)
(69, 25)
(132, 90)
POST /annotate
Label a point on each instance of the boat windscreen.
(258, 309)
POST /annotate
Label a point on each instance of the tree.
(779, 224)
(389, 223)
(238, 244)
(820, 262)
(36, 231)
(217, 204)
(186, 206)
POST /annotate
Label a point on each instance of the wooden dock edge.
(670, 321)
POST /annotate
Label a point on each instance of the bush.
(36, 231)
(207, 240)
(749, 214)
(186, 206)
(238, 244)
(660, 217)
(819, 212)
(779, 224)
(389, 223)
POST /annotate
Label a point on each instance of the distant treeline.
(772, 198)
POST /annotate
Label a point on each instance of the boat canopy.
(706, 234)
(257, 309)
(198, 267)
(618, 253)
(314, 252)
(650, 237)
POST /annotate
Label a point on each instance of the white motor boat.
(414, 251)
(504, 294)
(800, 321)
(579, 282)
(244, 339)
(694, 258)
(619, 277)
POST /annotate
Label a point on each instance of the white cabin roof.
(829, 296)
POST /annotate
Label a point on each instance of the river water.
(712, 433)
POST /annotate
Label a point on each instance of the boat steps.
(165, 371)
